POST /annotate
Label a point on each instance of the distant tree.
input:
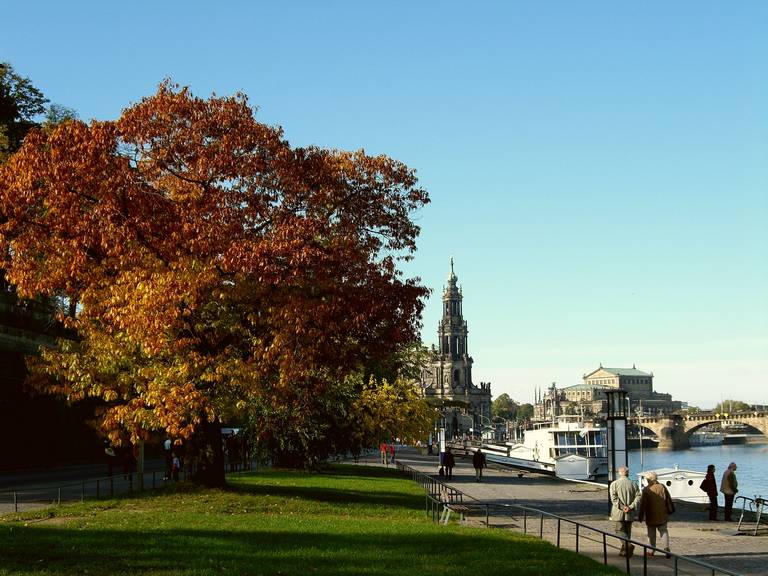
(731, 406)
(504, 407)
(525, 412)
(56, 114)
(20, 102)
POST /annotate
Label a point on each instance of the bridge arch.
(674, 431)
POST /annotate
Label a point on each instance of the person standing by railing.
(709, 485)
(729, 486)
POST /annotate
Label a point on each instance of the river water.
(751, 459)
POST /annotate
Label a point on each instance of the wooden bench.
(459, 509)
(452, 501)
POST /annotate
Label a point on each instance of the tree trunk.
(210, 465)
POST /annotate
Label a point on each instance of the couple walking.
(478, 462)
(653, 505)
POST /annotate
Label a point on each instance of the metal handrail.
(527, 512)
(757, 508)
(101, 487)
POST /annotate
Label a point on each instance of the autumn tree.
(216, 267)
(385, 410)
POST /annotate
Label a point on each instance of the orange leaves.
(212, 261)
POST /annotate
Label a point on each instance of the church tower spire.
(452, 330)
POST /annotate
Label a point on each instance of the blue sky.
(597, 169)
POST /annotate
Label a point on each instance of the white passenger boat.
(568, 448)
(682, 484)
(706, 438)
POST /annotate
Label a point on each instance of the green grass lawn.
(351, 520)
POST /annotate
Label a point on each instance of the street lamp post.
(639, 413)
(616, 420)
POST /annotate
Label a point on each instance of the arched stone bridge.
(674, 431)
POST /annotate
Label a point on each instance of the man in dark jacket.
(449, 461)
(478, 461)
(709, 485)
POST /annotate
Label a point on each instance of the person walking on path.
(449, 461)
(709, 485)
(383, 450)
(655, 507)
(175, 467)
(478, 461)
(625, 498)
(167, 447)
(392, 450)
(729, 486)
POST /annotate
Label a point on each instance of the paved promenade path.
(691, 534)
(28, 490)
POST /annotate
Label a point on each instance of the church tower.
(452, 335)
(447, 380)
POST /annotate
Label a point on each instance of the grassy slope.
(353, 520)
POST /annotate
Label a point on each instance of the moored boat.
(568, 448)
(682, 484)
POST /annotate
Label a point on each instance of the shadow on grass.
(346, 494)
(60, 550)
(334, 495)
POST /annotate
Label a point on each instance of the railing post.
(627, 556)
(15, 502)
(577, 538)
(82, 492)
(487, 516)
(58, 497)
(541, 526)
(605, 550)
(558, 532)
(525, 521)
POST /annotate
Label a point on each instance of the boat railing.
(563, 532)
(752, 510)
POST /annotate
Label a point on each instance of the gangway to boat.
(757, 506)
